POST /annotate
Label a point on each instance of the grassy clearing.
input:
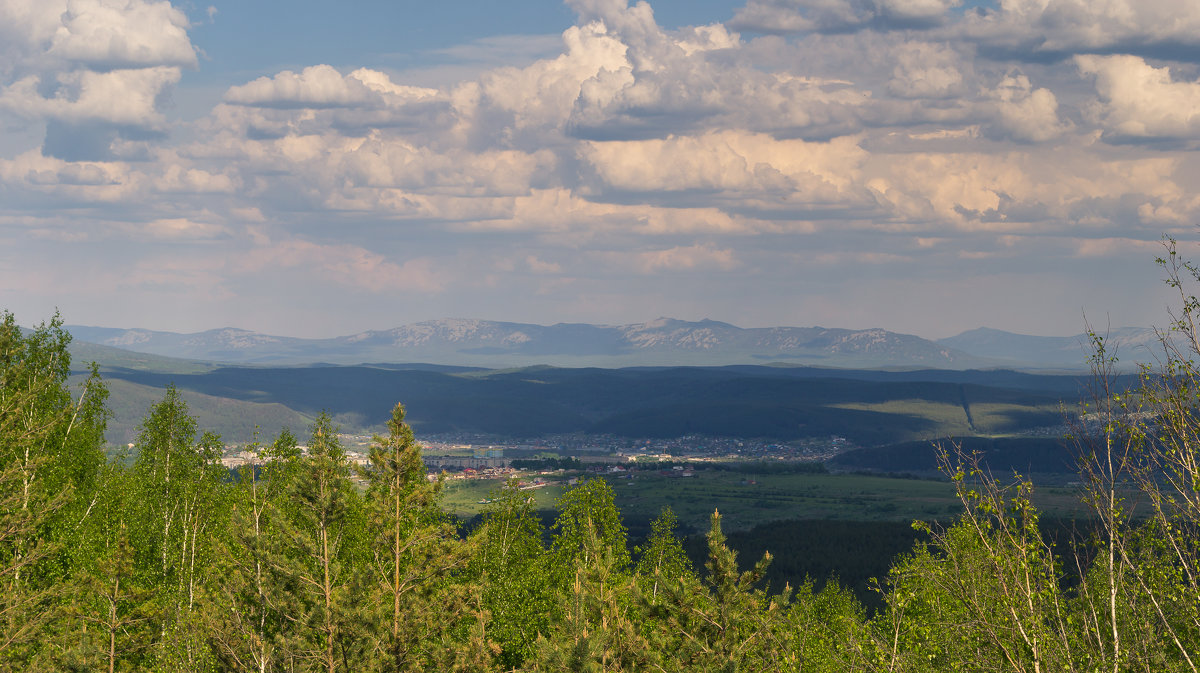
(999, 418)
(948, 419)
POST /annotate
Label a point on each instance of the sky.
(319, 169)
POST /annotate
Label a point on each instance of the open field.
(749, 500)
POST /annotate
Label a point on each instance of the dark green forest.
(869, 408)
(163, 560)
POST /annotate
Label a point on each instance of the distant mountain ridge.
(1130, 345)
(661, 342)
(664, 341)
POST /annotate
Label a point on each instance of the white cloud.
(98, 70)
(729, 161)
(179, 179)
(104, 34)
(122, 34)
(539, 266)
(1024, 113)
(392, 163)
(633, 152)
(183, 228)
(120, 97)
(321, 86)
(1140, 101)
(1064, 27)
(75, 182)
(1024, 29)
(517, 105)
(1039, 189)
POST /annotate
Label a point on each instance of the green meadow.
(747, 500)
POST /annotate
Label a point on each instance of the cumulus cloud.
(70, 182)
(116, 97)
(321, 86)
(742, 164)
(1025, 191)
(180, 179)
(1021, 29)
(125, 34)
(909, 132)
(1139, 101)
(641, 129)
(96, 69)
(100, 34)
(1058, 28)
(391, 163)
(1023, 113)
(183, 228)
(539, 266)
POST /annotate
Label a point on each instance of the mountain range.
(484, 343)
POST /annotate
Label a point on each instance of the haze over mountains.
(665, 341)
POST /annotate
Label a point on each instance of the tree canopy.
(301, 562)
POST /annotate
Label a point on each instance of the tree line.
(163, 560)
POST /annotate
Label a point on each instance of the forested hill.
(302, 563)
(867, 407)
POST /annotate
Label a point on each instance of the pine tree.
(314, 554)
(725, 624)
(413, 603)
(663, 559)
(598, 627)
(122, 606)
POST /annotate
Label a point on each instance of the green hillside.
(869, 409)
(235, 420)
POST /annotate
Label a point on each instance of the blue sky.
(317, 169)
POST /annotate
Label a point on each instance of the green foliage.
(242, 617)
(413, 599)
(584, 512)
(596, 629)
(547, 463)
(173, 563)
(50, 454)
(316, 548)
(663, 558)
(511, 565)
(722, 624)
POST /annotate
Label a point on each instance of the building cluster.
(463, 451)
